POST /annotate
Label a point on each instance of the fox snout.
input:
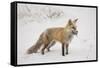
(75, 32)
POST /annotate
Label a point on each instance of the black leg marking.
(66, 48)
(43, 49)
(63, 50)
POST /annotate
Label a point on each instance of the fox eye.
(73, 27)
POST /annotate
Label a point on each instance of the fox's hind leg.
(50, 45)
(43, 49)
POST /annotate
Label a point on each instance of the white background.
(5, 34)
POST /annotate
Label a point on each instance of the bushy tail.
(36, 47)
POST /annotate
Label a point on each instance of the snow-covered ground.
(30, 26)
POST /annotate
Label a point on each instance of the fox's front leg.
(67, 48)
(63, 53)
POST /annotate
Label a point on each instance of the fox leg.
(50, 45)
(43, 49)
(67, 48)
(63, 49)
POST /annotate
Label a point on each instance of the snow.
(82, 47)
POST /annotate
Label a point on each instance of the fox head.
(71, 26)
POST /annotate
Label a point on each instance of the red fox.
(49, 37)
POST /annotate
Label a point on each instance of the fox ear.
(70, 22)
(75, 20)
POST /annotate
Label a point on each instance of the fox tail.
(35, 47)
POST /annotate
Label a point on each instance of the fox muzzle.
(75, 32)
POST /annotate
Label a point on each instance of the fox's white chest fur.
(68, 36)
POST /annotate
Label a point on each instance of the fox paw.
(42, 53)
(66, 53)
